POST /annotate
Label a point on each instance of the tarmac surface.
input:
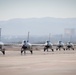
(39, 63)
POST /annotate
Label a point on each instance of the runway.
(39, 63)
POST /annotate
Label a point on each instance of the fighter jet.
(48, 45)
(60, 45)
(69, 46)
(1, 48)
(26, 46)
(1, 45)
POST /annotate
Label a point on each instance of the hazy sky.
(37, 8)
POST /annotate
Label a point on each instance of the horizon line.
(40, 18)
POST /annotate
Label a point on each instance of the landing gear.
(48, 47)
(3, 51)
(59, 47)
(24, 50)
(69, 47)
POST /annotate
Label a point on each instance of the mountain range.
(37, 26)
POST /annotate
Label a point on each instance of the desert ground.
(38, 63)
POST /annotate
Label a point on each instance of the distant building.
(69, 32)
